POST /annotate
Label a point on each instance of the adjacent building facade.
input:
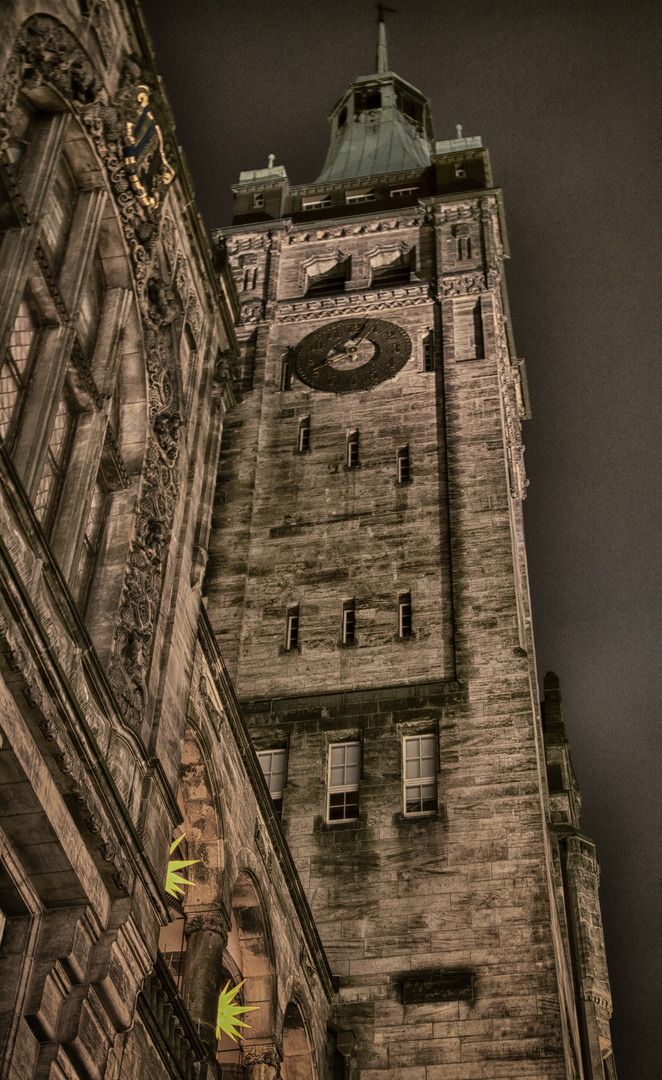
(272, 485)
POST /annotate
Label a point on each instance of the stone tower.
(367, 585)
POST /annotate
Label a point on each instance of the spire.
(382, 59)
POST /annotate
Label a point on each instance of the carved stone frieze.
(382, 300)
(461, 284)
(387, 225)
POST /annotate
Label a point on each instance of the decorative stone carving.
(162, 304)
(348, 303)
(47, 53)
(215, 922)
(461, 284)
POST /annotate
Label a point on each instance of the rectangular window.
(258, 201)
(428, 353)
(403, 465)
(304, 435)
(292, 629)
(316, 204)
(286, 373)
(344, 774)
(404, 614)
(56, 460)
(272, 763)
(360, 197)
(348, 622)
(420, 773)
(14, 369)
(401, 191)
(353, 450)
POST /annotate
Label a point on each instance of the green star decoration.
(173, 879)
(227, 1021)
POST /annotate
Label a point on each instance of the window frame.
(276, 795)
(292, 629)
(303, 438)
(352, 450)
(337, 789)
(348, 627)
(429, 779)
(403, 465)
(405, 621)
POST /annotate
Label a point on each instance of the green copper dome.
(381, 124)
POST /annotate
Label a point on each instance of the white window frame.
(349, 609)
(257, 202)
(404, 465)
(404, 601)
(427, 779)
(352, 441)
(360, 197)
(404, 191)
(274, 779)
(292, 630)
(303, 443)
(316, 204)
(334, 789)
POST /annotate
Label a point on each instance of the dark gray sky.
(566, 95)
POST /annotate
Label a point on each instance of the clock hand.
(366, 332)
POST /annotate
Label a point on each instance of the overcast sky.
(566, 95)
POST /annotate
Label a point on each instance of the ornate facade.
(327, 499)
(120, 729)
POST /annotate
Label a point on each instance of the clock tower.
(367, 585)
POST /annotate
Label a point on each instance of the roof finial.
(272, 158)
(382, 61)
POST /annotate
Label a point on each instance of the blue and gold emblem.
(144, 156)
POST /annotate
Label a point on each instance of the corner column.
(206, 938)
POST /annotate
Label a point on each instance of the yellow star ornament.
(174, 879)
(227, 1022)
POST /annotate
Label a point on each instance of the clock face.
(352, 354)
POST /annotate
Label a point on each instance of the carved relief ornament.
(47, 53)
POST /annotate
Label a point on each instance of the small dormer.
(260, 194)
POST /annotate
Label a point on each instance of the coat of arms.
(144, 155)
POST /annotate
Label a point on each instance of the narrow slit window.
(404, 614)
(353, 450)
(420, 774)
(349, 622)
(272, 763)
(428, 353)
(343, 788)
(292, 629)
(404, 474)
(463, 248)
(304, 435)
(286, 373)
